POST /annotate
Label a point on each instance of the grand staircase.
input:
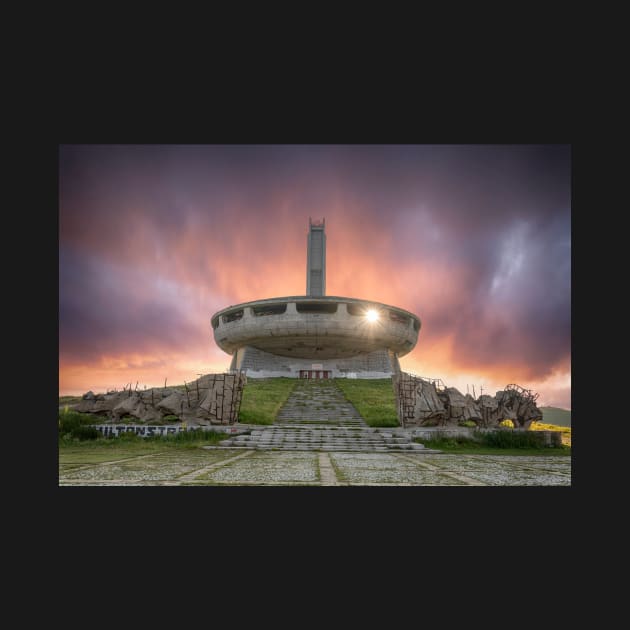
(317, 417)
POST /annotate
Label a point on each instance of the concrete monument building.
(315, 335)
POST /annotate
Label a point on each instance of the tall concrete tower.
(316, 259)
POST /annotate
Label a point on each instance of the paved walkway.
(318, 402)
(234, 467)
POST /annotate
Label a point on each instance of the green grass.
(512, 439)
(374, 399)
(114, 449)
(75, 426)
(262, 399)
(499, 443)
(132, 444)
(104, 450)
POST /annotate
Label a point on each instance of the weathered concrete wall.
(114, 430)
(260, 364)
(211, 399)
(359, 375)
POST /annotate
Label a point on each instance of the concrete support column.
(291, 310)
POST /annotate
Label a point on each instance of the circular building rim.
(307, 298)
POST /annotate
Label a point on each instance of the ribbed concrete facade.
(378, 364)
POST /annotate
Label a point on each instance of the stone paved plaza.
(235, 467)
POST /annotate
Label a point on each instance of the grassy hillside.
(557, 416)
(262, 399)
(374, 399)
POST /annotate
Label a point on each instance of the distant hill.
(557, 416)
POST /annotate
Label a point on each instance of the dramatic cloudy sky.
(476, 240)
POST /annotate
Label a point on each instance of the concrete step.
(328, 447)
(323, 439)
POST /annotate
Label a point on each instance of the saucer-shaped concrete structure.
(315, 336)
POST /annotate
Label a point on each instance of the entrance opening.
(315, 374)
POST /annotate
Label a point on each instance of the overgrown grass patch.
(193, 438)
(263, 398)
(69, 400)
(512, 439)
(374, 399)
(131, 443)
(493, 443)
(75, 426)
